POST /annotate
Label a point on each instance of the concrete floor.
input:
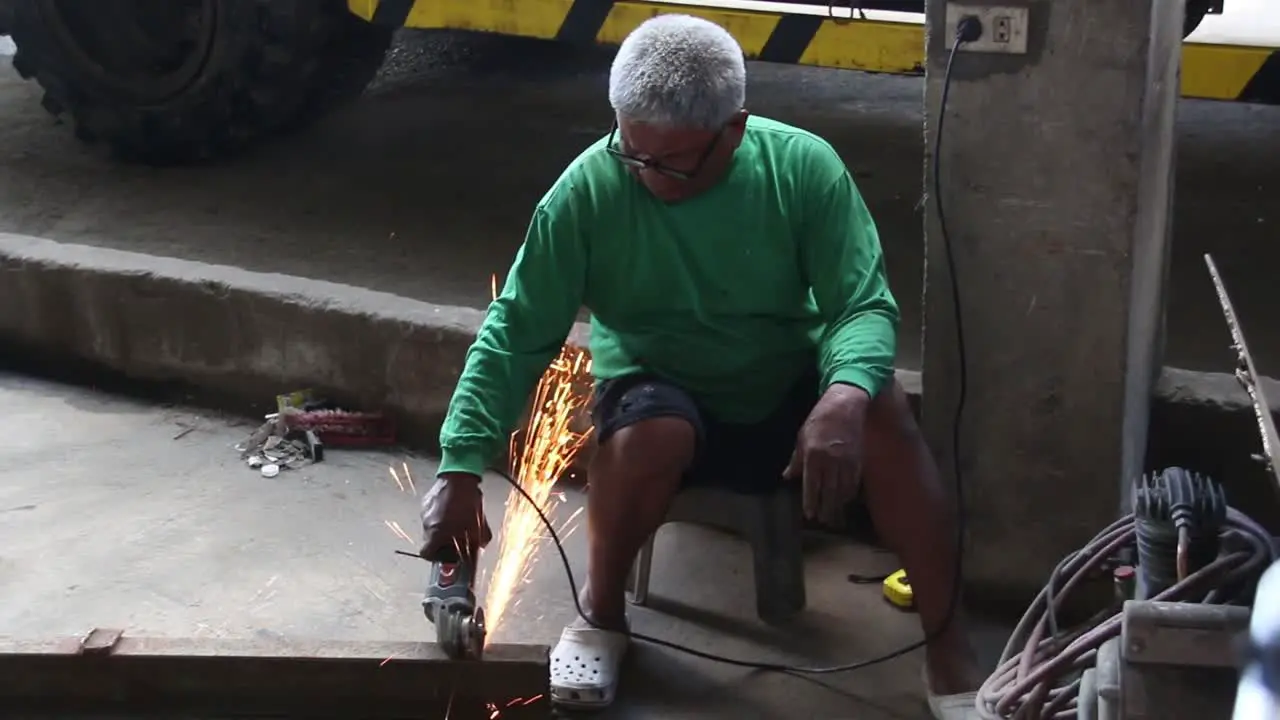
(107, 518)
(425, 186)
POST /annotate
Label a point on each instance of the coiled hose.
(1038, 673)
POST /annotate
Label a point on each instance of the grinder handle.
(452, 580)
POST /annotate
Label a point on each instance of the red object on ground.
(344, 428)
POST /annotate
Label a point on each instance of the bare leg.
(915, 514)
(632, 479)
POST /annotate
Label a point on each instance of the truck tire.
(168, 82)
(1195, 13)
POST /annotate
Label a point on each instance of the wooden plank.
(256, 677)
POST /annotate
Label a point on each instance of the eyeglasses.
(640, 163)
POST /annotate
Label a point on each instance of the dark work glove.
(453, 519)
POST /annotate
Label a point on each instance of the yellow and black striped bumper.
(1217, 72)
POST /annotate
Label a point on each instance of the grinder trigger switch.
(450, 604)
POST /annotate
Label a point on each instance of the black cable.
(968, 30)
(860, 579)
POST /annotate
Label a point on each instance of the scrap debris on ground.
(297, 434)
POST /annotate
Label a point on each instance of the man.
(743, 333)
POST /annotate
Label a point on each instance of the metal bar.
(106, 672)
(1249, 376)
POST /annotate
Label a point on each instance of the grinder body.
(450, 604)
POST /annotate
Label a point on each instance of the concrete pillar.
(1057, 182)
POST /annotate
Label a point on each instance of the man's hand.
(453, 521)
(828, 454)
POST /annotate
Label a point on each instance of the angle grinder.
(450, 605)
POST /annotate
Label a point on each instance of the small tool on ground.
(450, 604)
(897, 590)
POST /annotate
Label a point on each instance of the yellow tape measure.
(897, 590)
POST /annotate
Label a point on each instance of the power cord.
(968, 30)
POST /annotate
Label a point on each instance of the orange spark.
(402, 653)
(408, 476)
(396, 476)
(550, 445)
(569, 526)
(399, 532)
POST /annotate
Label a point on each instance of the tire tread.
(286, 63)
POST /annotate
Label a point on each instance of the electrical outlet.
(1004, 29)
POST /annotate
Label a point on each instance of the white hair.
(678, 71)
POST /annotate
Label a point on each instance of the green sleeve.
(841, 255)
(523, 331)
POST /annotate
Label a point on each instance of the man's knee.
(645, 427)
(657, 446)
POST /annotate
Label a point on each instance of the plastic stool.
(772, 524)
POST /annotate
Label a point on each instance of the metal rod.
(107, 672)
(1248, 376)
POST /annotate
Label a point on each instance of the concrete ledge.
(243, 336)
(238, 336)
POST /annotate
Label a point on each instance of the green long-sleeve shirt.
(733, 295)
